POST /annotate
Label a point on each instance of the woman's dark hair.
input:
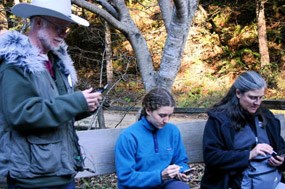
(247, 81)
(155, 99)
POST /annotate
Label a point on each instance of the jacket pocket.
(45, 154)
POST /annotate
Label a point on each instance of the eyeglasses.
(59, 29)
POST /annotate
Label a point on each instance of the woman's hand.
(170, 172)
(260, 149)
(276, 160)
(183, 177)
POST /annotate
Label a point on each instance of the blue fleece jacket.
(142, 152)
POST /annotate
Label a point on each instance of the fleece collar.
(16, 49)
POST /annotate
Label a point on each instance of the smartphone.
(101, 89)
(188, 171)
(281, 154)
(274, 154)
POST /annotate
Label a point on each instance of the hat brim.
(26, 10)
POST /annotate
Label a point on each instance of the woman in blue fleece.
(150, 153)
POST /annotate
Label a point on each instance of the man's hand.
(92, 99)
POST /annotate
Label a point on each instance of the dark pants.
(174, 184)
(70, 185)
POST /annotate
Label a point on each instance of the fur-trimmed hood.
(16, 49)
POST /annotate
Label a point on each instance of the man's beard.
(46, 43)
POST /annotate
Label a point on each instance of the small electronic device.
(274, 154)
(101, 89)
(188, 171)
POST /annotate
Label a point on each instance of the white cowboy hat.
(55, 8)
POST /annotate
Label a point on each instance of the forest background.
(222, 43)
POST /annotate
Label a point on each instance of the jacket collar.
(16, 49)
(148, 125)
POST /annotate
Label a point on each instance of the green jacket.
(37, 113)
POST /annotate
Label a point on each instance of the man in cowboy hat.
(38, 105)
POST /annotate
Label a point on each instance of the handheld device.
(274, 154)
(101, 89)
(188, 171)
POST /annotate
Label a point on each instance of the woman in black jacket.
(239, 139)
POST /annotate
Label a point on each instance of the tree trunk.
(178, 30)
(144, 59)
(101, 118)
(262, 37)
(108, 53)
(3, 19)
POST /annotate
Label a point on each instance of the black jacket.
(224, 164)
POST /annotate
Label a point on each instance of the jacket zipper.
(154, 135)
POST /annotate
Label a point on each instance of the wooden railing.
(271, 104)
(274, 104)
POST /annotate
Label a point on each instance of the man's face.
(52, 32)
(250, 100)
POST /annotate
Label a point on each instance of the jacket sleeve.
(281, 148)
(125, 166)
(25, 109)
(277, 141)
(218, 150)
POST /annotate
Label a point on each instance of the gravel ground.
(110, 181)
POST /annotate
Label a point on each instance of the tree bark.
(262, 36)
(166, 8)
(108, 53)
(3, 19)
(177, 36)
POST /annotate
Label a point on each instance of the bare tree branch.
(166, 8)
(177, 18)
(101, 12)
(108, 7)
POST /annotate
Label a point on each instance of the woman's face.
(250, 100)
(160, 116)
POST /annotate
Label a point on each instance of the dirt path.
(115, 119)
